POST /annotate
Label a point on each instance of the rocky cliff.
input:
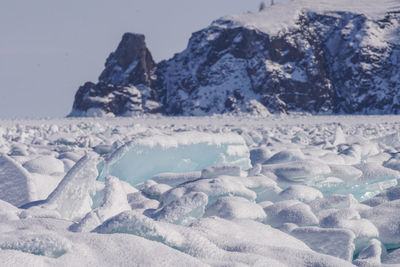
(305, 55)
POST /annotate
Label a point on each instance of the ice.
(47, 165)
(392, 258)
(45, 184)
(346, 172)
(8, 212)
(16, 184)
(374, 171)
(218, 170)
(144, 158)
(334, 217)
(153, 190)
(259, 155)
(371, 255)
(389, 195)
(18, 149)
(138, 201)
(334, 242)
(213, 187)
(290, 211)
(236, 208)
(300, 192)
(184, 210)
(49, 245)
(333, 202)
(173, 178)
(131, 222)
(115, 201)
(72, 197)
(339, 138)
(386, 217)
(298, 171)
(255, 239)
(286, 156)
(264, 187)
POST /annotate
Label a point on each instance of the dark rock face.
(124, 87)
(331, 62)
(131, 63)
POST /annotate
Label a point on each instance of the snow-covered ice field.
(179, 191)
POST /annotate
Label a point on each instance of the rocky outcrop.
(124, 87)
(323, 61)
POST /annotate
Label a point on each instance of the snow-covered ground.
(180, 191)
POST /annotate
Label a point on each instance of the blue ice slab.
(141, 159)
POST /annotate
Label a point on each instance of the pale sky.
(48, 48)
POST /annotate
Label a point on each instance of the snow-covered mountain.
(315, 56)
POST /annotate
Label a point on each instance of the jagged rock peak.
(131, 63)
(301, 56)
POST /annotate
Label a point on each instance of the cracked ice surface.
(220, 191)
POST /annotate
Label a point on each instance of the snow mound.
(334, 242)
(44, 165)
(236, 208)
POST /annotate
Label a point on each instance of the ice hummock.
(72, 197)
(143, 158)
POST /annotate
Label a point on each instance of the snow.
(236, 208)
(283, 16)
(334, 242)
(330, 199)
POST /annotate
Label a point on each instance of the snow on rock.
(72, 197)
(16, 184)
(115, 201)
(236, 208)
(330, 241)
